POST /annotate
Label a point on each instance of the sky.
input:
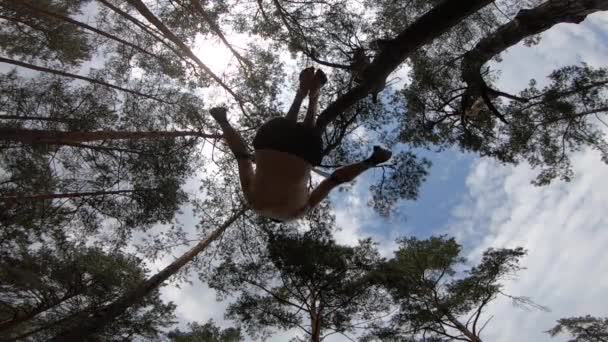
(485, 204)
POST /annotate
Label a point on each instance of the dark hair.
(276, 221)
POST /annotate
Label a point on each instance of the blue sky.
(485, 204)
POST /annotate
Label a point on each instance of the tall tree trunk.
(32, 136)
(316, 328)
(146, 29)
(146, 13)
(525, 24)
(41, 197)
(84, 78)
(101, 319)
(36, 118)
(424, 30)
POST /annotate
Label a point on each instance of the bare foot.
(380, 155)
(319, 81)
(307, 79)
(219, 114)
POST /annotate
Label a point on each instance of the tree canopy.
(582, 329)
(304, 281)
(207, 332)
(107, 152)
(436, 297)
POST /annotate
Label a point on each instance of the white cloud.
(355, 219)
(195, 303)
(565, 230)
(564, 44)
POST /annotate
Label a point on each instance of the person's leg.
(347, 174)
(306, 79)
(313, 98)
(238, 148)
(350, 172)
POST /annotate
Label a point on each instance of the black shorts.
(280, 134)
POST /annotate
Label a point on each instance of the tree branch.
(146, 13)
(312, 54)
(274, 295)
(39, 197)
(428, 27)
(34, 136)
(84, 78)
(216, 29)
(525, 24)
(144, 28)
(102, 318)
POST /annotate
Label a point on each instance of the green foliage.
(554, 121)
(150, 169)
(436, 296)
(282, 279)
(582, 329)
(304, 281)
(47, 290)
(403, 180)
(207, 332)
(33, 36)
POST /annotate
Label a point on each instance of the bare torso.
(280, 187)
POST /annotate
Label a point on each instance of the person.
(285, 153)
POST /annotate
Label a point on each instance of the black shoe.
(380, 155)
(219, 114)
(320, 77)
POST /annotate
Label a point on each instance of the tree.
(452, 101)
(43, 38)
(435, 298)
(304, 281)
(99, 319)
(582, 329)
(133, 66)
(82, 152)
(57, 286)
(207, 332)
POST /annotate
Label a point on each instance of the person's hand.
(319, 81)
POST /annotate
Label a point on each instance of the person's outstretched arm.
(347, 174)
(306, 79)
(239, 149)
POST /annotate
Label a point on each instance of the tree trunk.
(144, 28)
(316, 329)
(525, 24)
(40, 197)
(428, 27)
(32, 136)
(463, 329)
(146, 13)
(84, 78)
(101, 319)
(36, 118)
